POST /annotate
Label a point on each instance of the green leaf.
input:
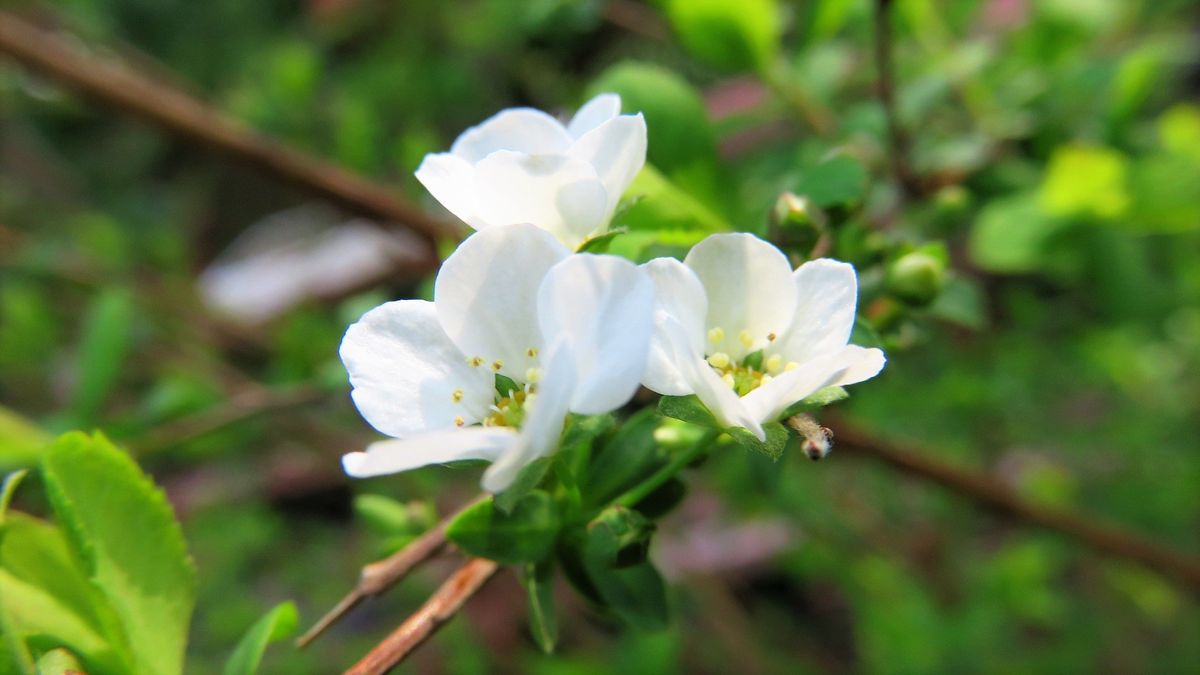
(600, 243)
(734, 36)
(1086, 181)
(636, 593)
(123, 529)
(618, 537)
(505, 385)
(838, 181)
(629, 456)
(8, 489)
(58, 662)
(388, 517)
(524, 535)
(1012, 234)
(107, 334)
(278, 624)
(664, 206)
(773, 446)
(688, 409)
(681, 139)
(31, 611)
(21, 442)
(539, 587)
(527, 479)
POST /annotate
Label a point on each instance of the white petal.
(602, 306)
(862, 364)
(439, 447)
(405, 371)
(827, 293)
(617, 151)
(558, 193)
(523, 130)
(701, 380)
(749, 287)
(486, 295)
(769, 400)
(544, 420)
(451, 181)
(595, 112)
(678, 294)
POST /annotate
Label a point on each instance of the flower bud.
(799, 220)
(916, 278)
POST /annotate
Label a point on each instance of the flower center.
(753, 371)
(509, 411)
(512, 398)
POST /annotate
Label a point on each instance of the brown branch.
(440, 608)
(381, 575)
(898, 139)
(181, 114)
(1102, 537)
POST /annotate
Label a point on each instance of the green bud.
(801, 222)
(916, 278)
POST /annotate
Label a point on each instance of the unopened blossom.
(523, 166)
(735, 325)
(571, 332)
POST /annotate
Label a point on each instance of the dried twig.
(381, 575)
(150, 98)
(1102, 537)
(440, 608)
(898, 138)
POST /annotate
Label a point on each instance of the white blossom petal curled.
(523, 130)
(486, 295)
(827, 294)
(439, 447)
(592, 114)
(523, 166)
(679, 297)
(602, 308)
(407, 376)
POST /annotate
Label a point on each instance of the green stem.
(642, 490)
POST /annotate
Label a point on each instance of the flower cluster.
(523, 330)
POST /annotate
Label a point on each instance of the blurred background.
(1018, 182)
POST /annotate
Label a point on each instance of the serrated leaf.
(277, 624)
(123, 529)
(539, 588)
(524, 535)
(688, 409)
(773, 446)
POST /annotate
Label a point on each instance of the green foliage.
(58, 662)
(107, 334)
(731, 36)
(122, 529)
(688, 409)
(21, 443)
(1086, 181)
(278, 624)
(772, 446)
(839, 180)
(526, 534)
(538, 579)
(634, 592)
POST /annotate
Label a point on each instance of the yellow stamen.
(457, 395)
(791, 365)
(746, 339)
(459, 421)
(533, 375)
(497, 365)
(719, 360)
(532, 352)
(475, 361)
(774, 363)
(727, 378)
(771, 337)
(716, 335)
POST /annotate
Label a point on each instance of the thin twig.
(149, 98)
(440, 608)
(1102, 537)
(898, 138)
(381, 575)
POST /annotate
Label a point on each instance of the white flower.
(571, 331)
(736, 296)
(523, 166)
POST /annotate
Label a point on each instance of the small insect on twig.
(816, 441)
